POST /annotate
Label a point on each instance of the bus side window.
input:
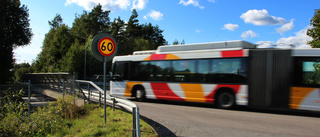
(232, 70)
(184, 70)
(307, 71)
(203, 71)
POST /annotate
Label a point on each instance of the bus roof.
(206, 46)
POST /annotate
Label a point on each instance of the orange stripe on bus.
(162, 57)
(297, 95)
(171, 56)
(193, 92)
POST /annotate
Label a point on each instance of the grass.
(63, 119)
(119, 123)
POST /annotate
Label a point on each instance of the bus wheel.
(225, 100)
(140, 94)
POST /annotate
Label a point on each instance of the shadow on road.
(160, 129)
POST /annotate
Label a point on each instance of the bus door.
(120, 74)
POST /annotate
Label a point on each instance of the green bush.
(42, 121)
(12, 113)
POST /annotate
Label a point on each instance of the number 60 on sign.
(106, 46)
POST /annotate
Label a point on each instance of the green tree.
(55, 45)
(175, 42)
(153, 34)
(314, 32)
(92, 23)
(19, 71)
(117, 28)
(56, 22)
(138, 37)
(14, 32)
(133, 28)
(64, 48)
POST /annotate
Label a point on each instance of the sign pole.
(104, 88)
(104, 48)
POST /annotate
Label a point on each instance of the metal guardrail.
(127, 104)
(66, 83)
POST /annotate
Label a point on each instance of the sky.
(262, 22)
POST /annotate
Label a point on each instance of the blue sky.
(263, 22)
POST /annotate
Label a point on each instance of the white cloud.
(300, 39)
(261, 17)
(286, 27)
(249, 33)
(109, 4)
(29, 52)
(213, 1)
(156, 15)
(230, 26)
(139, 4)
(191, 2)
(198, 31)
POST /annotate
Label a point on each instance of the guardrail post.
(113, 103)
(74, 88)
(99, 98)
(89, 93)
(134, 120)
(137, 122)
(63, 89)
(29, 95)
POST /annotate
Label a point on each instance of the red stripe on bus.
(163, 91)
(211, 97)
(232, 53)
(158, 56)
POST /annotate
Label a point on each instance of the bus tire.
(225, 99)
(140, 94)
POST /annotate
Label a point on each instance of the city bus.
(226, 74)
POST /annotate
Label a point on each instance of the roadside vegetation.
(63, 119)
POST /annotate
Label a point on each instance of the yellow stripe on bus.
(171, 56)
(193, 92)
(298, 94)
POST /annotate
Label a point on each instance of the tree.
(64, 48)
(91, 23)
(55, 45)
(314, 32)
(153, 34)
(133, 28)
(56, 22)
(175, 42)
(14, 32)
(19, 71)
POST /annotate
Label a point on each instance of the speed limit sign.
(104, 47)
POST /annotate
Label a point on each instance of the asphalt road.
(202, 120)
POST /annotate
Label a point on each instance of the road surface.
(192, 119)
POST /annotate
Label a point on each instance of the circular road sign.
(104, 46)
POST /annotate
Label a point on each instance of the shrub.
(47, 120)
